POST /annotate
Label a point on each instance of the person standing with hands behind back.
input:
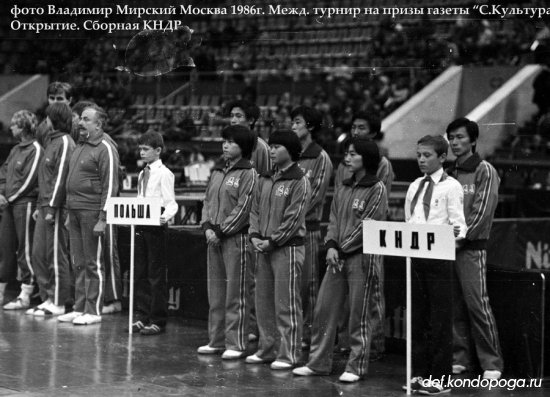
(150, 273)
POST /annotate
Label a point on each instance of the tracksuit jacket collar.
(27, 143)
(292, 172)
(242, 164)
(96, 141)
(470, 165)
(367, 181)
(312, 151)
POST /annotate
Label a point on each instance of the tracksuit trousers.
(113, 280)
(87, 253)
(51, 258)
(16, 238)
(356, 283)
(473, 317)
(229, 281)
(310, 281)
(278, 304)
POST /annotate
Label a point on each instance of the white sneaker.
(49, 310)
(207, 349)
(69, 317)
(113, 307)
(40, 306)
(348, 377)
(280, 365)
(304, 371)
(232, 354)
(492, 374)
(458, 369)
(18, 303)
(87, 319)
(254, 359)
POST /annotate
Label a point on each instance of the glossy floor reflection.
(41, 357)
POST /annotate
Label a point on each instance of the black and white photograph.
(274, 198)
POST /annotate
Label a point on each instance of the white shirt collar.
(436, 176)
(155, 164)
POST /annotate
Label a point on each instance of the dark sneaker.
(416, 384)
(152, 329)
(433, 389)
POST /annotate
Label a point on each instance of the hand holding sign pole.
(411, 241)
(133, 211)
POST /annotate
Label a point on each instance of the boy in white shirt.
(435, 199)
(150, 272)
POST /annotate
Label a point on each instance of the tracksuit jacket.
(19, 173)
(226, 209)
(317, 166)
(93, 176)
(479, 203)
(52, 173)
(279, 207)
(260, 158)
(350, 206)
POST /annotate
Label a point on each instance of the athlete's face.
(428, 160)
(88, 123)
(15, 129)
(460, 142)
(231, 150)
(279, 155)
(238, 117)
(353, 160)
(299, 127)
(360, 129)
(58, 97)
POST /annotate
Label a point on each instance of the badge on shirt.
(233, 182)
(469, 189)
(307, 173)
(280, 191)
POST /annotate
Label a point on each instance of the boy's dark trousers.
(432, 317)
(150, 275)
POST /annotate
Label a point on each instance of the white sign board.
(410, 240)
(133, 211)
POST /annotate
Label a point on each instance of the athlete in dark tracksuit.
(226, 211)
(278, 215)
(92, 179)
(317, 166)
(353, 202)
(473, 318)
(378, 316)
(19, 186)
(50, 249)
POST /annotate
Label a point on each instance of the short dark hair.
(289, 140)
(251, 111)
(61, 116)
(368, 149)
(311, 116)
(242, 137)
(60, 86)
(471, 127)
(438, 142)
(151, 138)
(79, 107)
(372, 120)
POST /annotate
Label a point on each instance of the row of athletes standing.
(248, 248)
(53, 194)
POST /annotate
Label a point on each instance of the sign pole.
(409, 325)
(131, 280)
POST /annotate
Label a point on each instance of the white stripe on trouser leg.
(364, 313)
(112, 262)
(27, 240)
(485, 299)
(56, 258)
(100, 276)
(242, 294)
(293, 306)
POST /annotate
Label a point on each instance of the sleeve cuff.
(254, 235)
(331, 244)
(272, 243)
(206, 225)
(217, 229)
(102, 216)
